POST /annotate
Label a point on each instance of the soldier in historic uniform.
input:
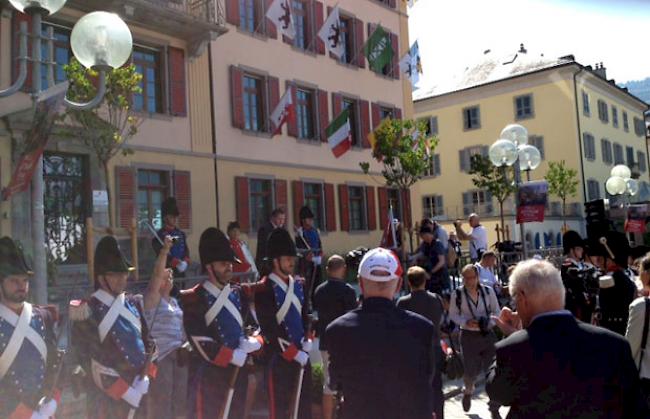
(179, 256)
(617, 290)
(280, 304)
(27, 343)
(214, 315)
(310, 247)
(572, 268)
(111, 338)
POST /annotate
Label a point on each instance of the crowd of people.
(566, 341)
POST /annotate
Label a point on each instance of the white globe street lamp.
(503, 153)
(516, 133)
(615, 185)
(529, 158)
(45, 7)
(621, 170)
(101, 40)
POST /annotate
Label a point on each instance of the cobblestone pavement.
(479, 410)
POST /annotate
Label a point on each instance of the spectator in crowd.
(434, 260)
(636, 327)
(164, 317)
(381, 357)
(553, 366)
(430, 306)
(471, 307)
(477, 236)
(246, 268)
(332, 299)
(486, 267)
(441, 235)
(278, 218)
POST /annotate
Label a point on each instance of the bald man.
(477, 236)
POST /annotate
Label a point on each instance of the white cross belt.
(117, 308)
(22, 330)
(222, 302)
(290, 298)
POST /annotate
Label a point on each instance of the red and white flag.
(283, 112)
(281, 15)
(389, 237)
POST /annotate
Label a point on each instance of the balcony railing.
(211, 11)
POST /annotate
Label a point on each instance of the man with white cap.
(381, 357)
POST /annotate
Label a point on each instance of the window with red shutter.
(364, 123)
(319, 19)
(271, 30)
(371, 208)
(394, 41)
(125, 183)
(280, 191)
(358, 43)
(15, 51)
(344, 207)
(232, 12)
(236, 97)
(298, 196)
(376, 115)
(176, 85)
(242, 199)
(292, 123)
(330, 207)
(337, 104)
(273, 88)
(183, 195)
(406, 206)
(398, 113)
(323, 114)
(382, 194)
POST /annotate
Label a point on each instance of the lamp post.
(620, 182)
(513, 149)
(99, 40)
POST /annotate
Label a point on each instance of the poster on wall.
(532, 197)
(636, 218)
(46, 108)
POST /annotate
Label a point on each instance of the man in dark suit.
(557, 366)
(381, 357)
(277, 220)
(428, 305)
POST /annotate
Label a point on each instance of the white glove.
(317, 260)
(182, 266)
(47, 409)
(306, 345)
(301, 358)
(249, 344)
(132, 397)
(238, 357)
(141, 385)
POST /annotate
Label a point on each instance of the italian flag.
(339, 133)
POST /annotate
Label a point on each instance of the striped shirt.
(166, 323)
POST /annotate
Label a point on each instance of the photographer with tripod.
(471, 307)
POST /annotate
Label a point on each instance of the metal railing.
(211, 11)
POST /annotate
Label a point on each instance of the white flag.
(330, 33)
(410, 65)
(281, 15)
(283, 111)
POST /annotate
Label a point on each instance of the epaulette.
(606, 281)
(53, 310)
(78, 310)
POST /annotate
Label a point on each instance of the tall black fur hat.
(214, 246)
(279, 244)
(571, 239)
(12, 259)
(169, 207)
(109, 257)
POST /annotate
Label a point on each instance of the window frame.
(165, 187)
(617, 146)
(304, 36)
(57, 44)
(467, 118)
(641, 161)
(589, 146)
(614, 116)
(353, 105)
(531, 107)
(626, 122)
(433, 200)
(261, 103)
(482, 206)
(158, 66)
(348, 33)
(310, 113)
(363, 207)
(603, 111)
(434, 168)
(606, 151)
(629, 152)
(320, 215)
(586, 105)
(397, 209)
(593, 183)
(271, 196)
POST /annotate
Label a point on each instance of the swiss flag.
(283, 111)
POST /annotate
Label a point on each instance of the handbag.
(453, 367)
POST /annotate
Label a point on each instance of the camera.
(353, 258)
(584, 279)
(484, 325)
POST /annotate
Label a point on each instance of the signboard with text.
(531, 198)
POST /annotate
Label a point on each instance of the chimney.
(600, 71)
(522, 49)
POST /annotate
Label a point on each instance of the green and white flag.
(378, 49)
(339, 136)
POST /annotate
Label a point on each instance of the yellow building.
(572, 113)
(173, 147)
(252, 65)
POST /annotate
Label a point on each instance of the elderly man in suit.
(552, 365)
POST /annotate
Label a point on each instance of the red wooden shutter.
(394, 42)
(398, 113)
(242, 203)
(344, 205)
(18, 18)
(183, 195)
(370, 206)
(330, 212)
(232, 12)
(337, 104)
(376, 115)
(323, 114)
(236, 97)
(125, 180)
(292, 123)
(273, 86)
(382, 194)
(406, 207)
(320, 19)
(358, 43)
(271, 30)
(298, 199)
(364, 123)
(281, 194)
(177, 94)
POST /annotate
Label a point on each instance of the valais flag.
(283, 111)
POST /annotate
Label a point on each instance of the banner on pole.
(532, 197)
(45, 111)
(636, 218)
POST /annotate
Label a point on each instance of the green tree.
(403, 150)
(562, 182)
(107, 128)
(496, 180)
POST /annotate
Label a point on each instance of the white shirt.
(443, 237)
(634, 335)
(486, 276)
(479, 241)
(460, 317)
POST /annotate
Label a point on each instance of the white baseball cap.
(380, 265)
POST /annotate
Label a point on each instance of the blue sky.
(453, 34)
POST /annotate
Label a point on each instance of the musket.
(299, 382)
(61, 350)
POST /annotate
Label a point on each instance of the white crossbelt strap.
(117, 308)
(222, 302)
(22, 330)
(289, 297)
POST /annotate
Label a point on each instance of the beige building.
(252, 65)
(572, 113)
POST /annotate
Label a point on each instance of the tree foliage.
(496, 180)
(107, 128)
(562, 182)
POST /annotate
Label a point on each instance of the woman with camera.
(471, 307)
